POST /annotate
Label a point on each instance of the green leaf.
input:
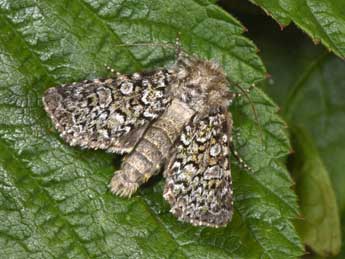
(308, 83)
(54, 201)
(320, 224)
(322, 20)
(312, 95)
(317, 101)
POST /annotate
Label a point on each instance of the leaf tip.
(282, 26)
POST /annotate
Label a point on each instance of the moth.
(174, 119)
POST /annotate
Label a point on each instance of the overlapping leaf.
(322, 20)
(54, 202)
(320, 224)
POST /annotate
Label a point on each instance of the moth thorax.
(206, 92)
(219, 97)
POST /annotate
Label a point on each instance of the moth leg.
(112, 70)
(243, 91)
(178, 46)
(241, 162)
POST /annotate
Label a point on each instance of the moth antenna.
(151, 44)
(245, 93)
(175, 46)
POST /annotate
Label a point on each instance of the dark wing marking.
(198, 180)
(109, 114)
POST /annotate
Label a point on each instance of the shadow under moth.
(175, 118)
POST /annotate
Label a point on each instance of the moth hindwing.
(174, 118)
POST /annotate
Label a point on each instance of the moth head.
(204, 84)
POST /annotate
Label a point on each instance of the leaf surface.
(54, 201)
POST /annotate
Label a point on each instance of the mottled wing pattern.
(109, 114)
(198, 180)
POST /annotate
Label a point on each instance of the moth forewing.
(110, 114)
(198, 179)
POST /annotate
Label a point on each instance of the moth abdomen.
(159, 139)
(152, 150)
